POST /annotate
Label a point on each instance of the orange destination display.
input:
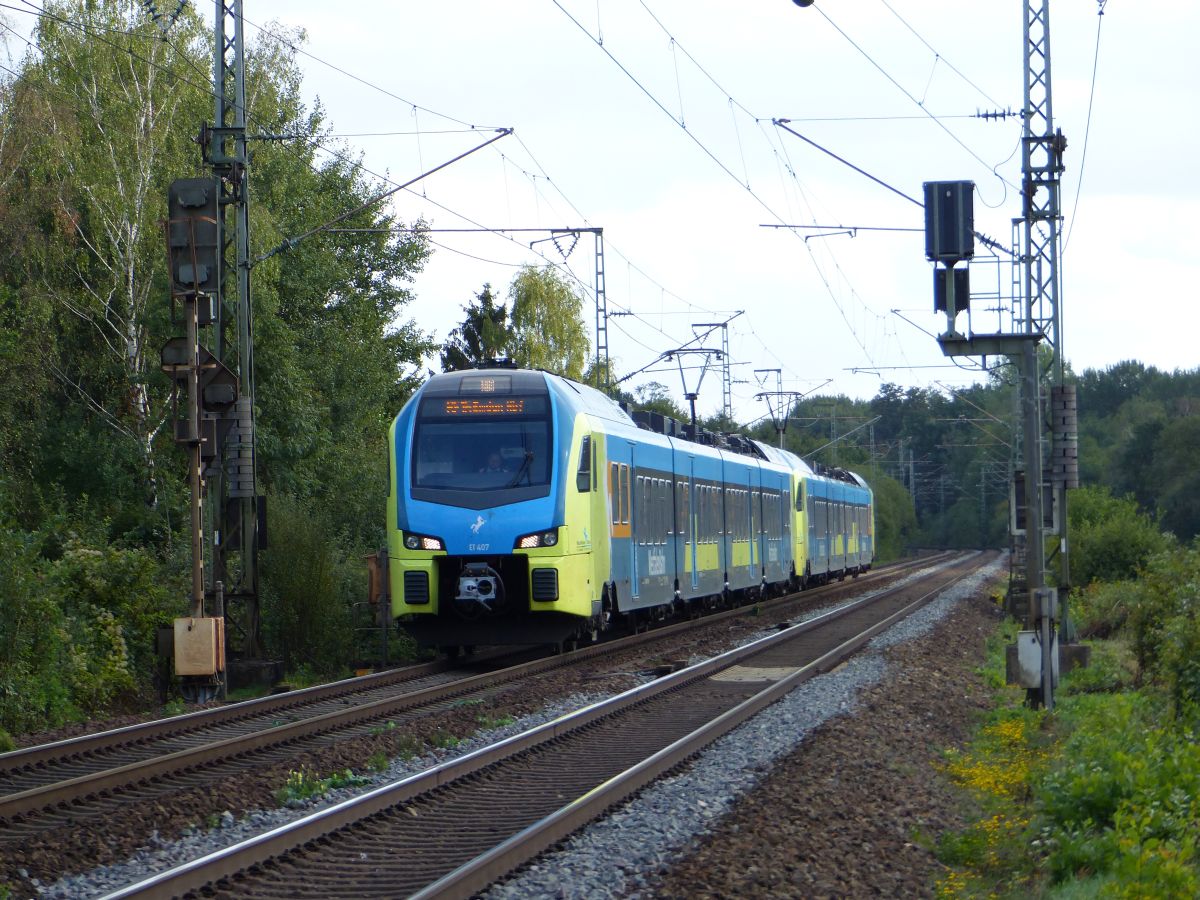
(510, 406)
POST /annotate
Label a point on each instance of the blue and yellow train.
(526, 508)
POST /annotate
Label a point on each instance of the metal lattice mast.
(726, 375)
(1041, 166)
(726, 364)
(236, 522)
(602, 362)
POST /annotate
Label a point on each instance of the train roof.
(510, 379)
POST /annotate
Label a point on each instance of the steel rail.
(144, 732)
(526, 845)
(174, 726)
(59, 793)
(207, 870)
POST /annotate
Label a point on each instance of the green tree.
(484, 334)
(895, 520)
(92, 130)
(547, 323)
(101, 127)
(655, 397)
(1177, 470)
(1111, 539)
(335, 359)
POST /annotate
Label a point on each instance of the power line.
(300, 50)
(529, 175)
(904, 91)
(699, 143)
(533, 178)
(974, 115)
(937, 55)
(1087, 128)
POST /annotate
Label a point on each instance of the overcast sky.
(683, 166)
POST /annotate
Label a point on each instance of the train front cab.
(477, 558)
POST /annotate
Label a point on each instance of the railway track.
(454, 829)
(73, 781)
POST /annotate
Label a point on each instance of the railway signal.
(208, 391)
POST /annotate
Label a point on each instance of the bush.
(116, 599)
(895, 520)
(34, 662)
(77, 626)
(306, 611)
(1101, 609)
(1110, 538)
(1111, 668)
(1163, 617)
(1124, 799)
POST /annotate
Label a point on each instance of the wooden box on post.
(199, 646)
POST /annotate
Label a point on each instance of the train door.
(798, 519)
(637, 529)
(756, 521)
(818, 528)
(619, 523)
(852, 539)
(685, 526)
(843, 528)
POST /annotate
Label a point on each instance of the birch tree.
(547, 323)
(108, 107)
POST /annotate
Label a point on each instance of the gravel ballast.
(646, 848)
(757, 815)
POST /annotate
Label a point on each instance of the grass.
(444, 740)
(488, 722)
(304, 784)
(377, 761)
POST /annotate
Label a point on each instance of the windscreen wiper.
(523, 472)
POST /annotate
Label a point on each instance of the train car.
(840, 518)
(526, 508)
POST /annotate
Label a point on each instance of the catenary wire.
(1087, 128)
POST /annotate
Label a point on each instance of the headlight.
(538, 539)
(422, 542)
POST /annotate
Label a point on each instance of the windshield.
(467, 454)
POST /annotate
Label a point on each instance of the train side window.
(648, 523)
(685, 521)
(614, 491)
(666, 504)
(660, 512)
(639, 499)
(670, 529)
(656, 497)
(625, 488)
(583, 477)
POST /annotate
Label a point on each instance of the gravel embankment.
(632, 852)
(833, 791)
